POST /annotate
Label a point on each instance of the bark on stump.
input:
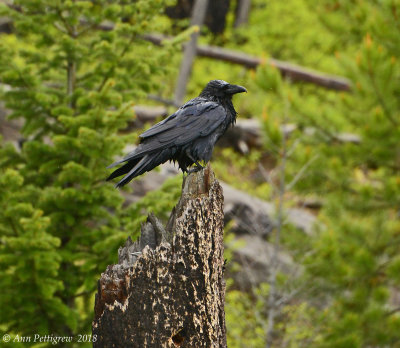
(168, 289)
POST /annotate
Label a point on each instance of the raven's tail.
(131, 169)
(138, 166)
(126, 168)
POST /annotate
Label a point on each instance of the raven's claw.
(195, 169)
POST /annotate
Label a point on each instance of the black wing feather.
(197, 118)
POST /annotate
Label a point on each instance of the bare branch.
(272, 305)
(301, 172)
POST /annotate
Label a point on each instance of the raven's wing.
(205, 115)
(197, 118)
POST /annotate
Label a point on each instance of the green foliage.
(351, 262)
(353, 257)
(245, 318)
(29, 256)
(74, 86)
(159, 202)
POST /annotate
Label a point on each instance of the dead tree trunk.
(242, 12)
(168, 289)
(198, 14)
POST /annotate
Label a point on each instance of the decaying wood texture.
(168, 289)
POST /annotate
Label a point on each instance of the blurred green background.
(68, 91)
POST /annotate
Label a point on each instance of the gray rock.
(254, 256)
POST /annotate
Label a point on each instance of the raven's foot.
(198, 165)
(195, 169)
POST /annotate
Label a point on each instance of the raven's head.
(221, 89)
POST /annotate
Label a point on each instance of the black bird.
(187, 136)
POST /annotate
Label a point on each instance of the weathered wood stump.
(168, 289)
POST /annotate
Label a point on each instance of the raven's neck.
(227, 104)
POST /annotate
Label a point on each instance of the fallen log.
(293, 72)
(246, 134)
(167, 289)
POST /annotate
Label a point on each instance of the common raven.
(187, 136)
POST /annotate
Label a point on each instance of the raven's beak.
(233, 89)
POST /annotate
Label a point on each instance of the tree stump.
(167, 289)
